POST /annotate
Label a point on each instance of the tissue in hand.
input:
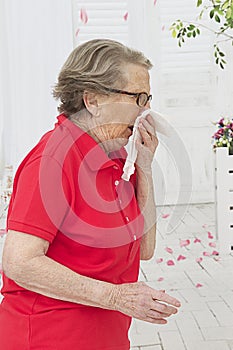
(160, 125)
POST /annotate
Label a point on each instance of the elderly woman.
(76, 229)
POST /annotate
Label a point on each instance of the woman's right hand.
(140, 301)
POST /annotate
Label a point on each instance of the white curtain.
(36, 38)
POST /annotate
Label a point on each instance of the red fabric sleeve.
(34, 206)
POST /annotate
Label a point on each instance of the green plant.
(219, 11)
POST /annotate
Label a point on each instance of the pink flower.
(199, 285)
(210, 236)
(197, 240)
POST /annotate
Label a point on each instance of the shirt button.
(116, 182)
(134, 237)
(127, 218)
(115, 167)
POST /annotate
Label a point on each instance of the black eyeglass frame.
(135, 94)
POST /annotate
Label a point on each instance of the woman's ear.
(91, 103)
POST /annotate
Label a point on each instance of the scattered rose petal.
(170, 263)
(163, 27)
(212, 244)
(77, 32)
(159, 260)
(210, 236)
(126, 16)
(206, 254)
(160, 279)
(83, 16)
(199, 259)
(181, 257)
(164, 216)
(155, 2)
(197, 240)
(184, 243)
(169, 250)
(214, 252)
(2, 232)
(198, 285)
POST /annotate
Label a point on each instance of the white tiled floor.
(205, 288)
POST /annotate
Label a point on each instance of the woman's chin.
(114, 144)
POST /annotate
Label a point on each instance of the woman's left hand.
(147, 143)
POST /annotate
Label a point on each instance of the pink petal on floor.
(2, 231)
(184, 243)
(197, 240)
(198, 285)
(204, 226)
(181, 257)
(214, 252)
(83, 16)
(199, 260)
(170, 263)
(155, 2)
(160, 279)
(77, 32)
(169, 250)
(126, 16)
(212, 244)
(206, 254)
(210, 236)
(163, 28)
(164, 216)
(159, 260)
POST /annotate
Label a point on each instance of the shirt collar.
(94, 155)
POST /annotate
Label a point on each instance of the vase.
(224, 199)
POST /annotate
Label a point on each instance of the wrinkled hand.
(140, 301)
(147, 143)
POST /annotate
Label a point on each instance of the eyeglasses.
(141, 97)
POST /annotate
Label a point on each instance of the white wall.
(37, 38)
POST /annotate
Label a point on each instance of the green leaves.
(218, 54)
(181, 32)
(219, 11)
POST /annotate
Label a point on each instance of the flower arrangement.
(223, 137)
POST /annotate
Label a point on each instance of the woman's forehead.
(137, 77)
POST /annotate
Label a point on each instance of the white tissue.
(160, 125)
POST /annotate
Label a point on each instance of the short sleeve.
(39, 202)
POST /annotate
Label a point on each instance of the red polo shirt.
(68, 192)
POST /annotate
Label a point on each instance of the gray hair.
(94, 66)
